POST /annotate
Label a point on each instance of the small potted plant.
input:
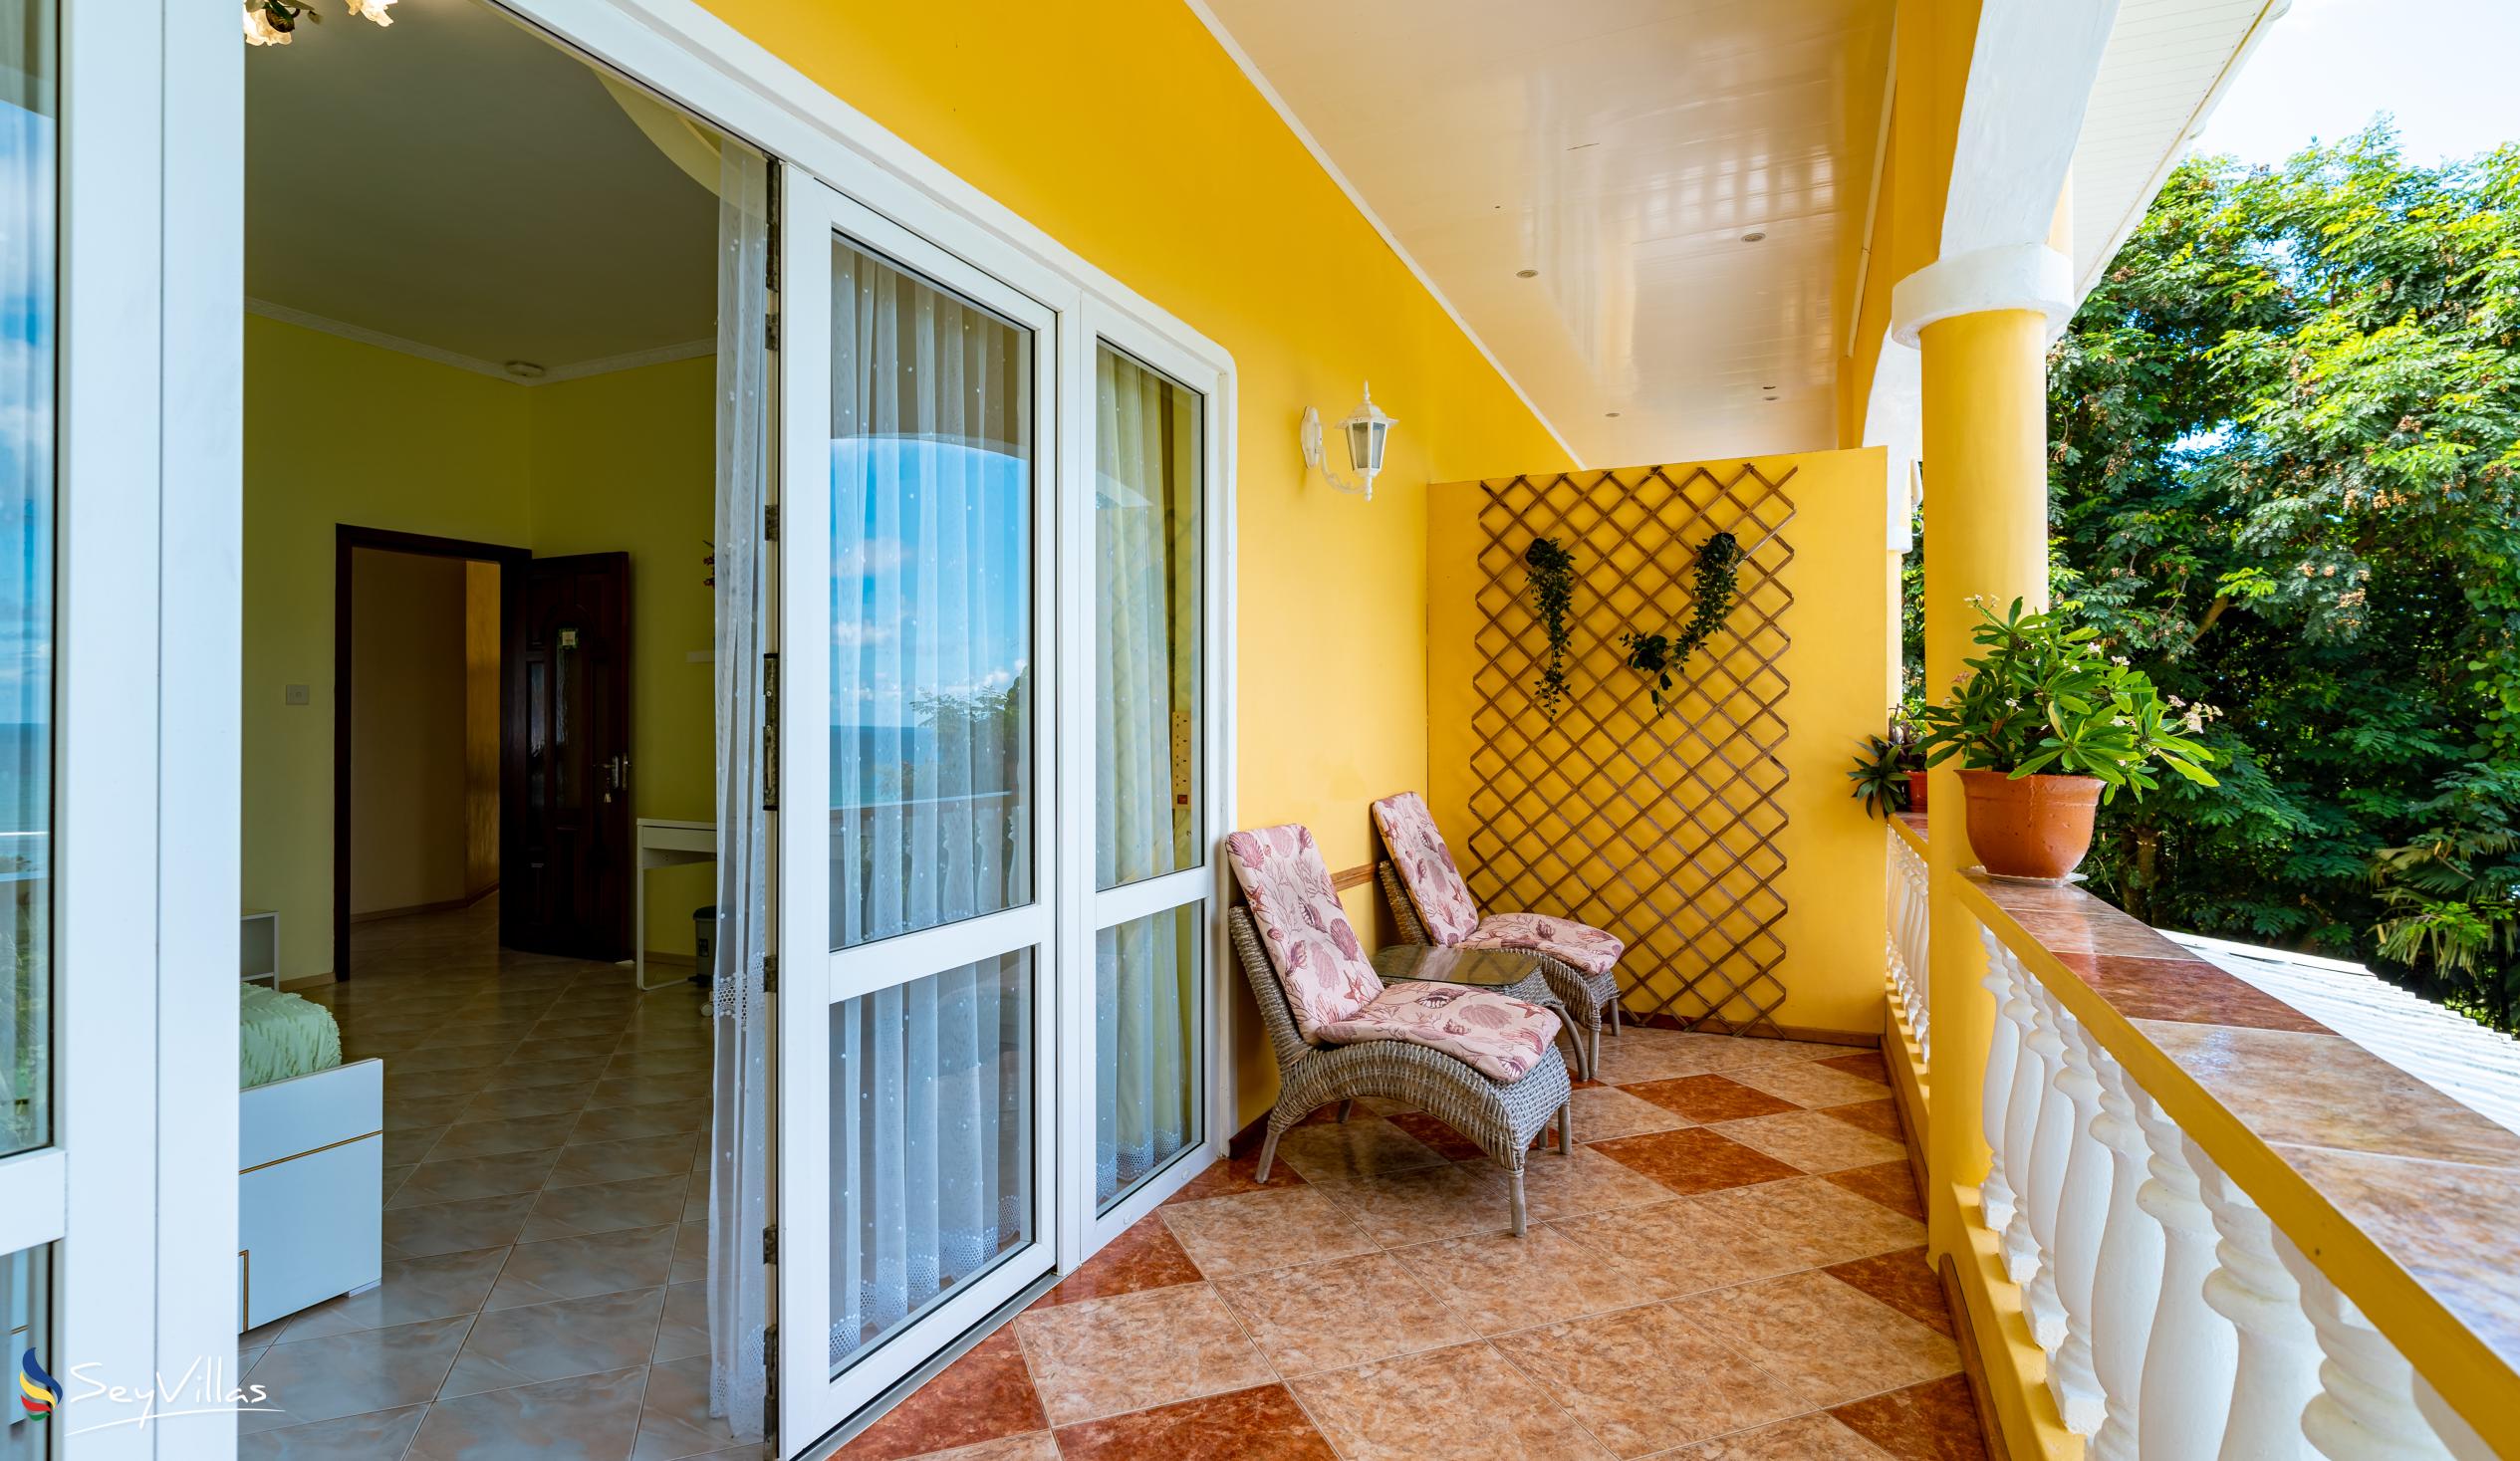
(2047, 725)
(1890, 771)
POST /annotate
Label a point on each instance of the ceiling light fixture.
(523, 370)
(275, 22)
(1525, 274)
(1614, 415)
(1368, 429)
(1753, 236)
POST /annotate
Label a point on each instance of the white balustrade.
(2366, 1406)
(2179, 1323)
(1909, 952)
(2127, 1285)
(2082, 1211)
(2051, 1148)
(2003, 975)
(2278, 1369)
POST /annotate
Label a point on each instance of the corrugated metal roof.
(2448, 1051)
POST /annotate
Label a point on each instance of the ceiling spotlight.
(1753, 236)
(1525, 274)
(523, 370)
(1614, 415)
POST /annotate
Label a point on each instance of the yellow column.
(1984, 389)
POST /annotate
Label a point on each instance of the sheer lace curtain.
(932, 788)
(1147, 625)
(741, 1127)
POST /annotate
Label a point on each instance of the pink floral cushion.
(1425, 867)
(1500, 1036)
(1318, 960)
(1563, 939)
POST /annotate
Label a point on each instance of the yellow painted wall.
(1127, 133)
(1836, 918)
(337, 431)
(408, 725)
(627, 461)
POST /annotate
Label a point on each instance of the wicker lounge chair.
(1383, 1042)
(1432, 905)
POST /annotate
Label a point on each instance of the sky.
(2442, 66)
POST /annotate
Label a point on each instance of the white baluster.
(2366, 1406)
(2278, 1369)
(1913, 882)
(2126, 1287)
(2192, 1352)
(2081, 1216)
(2003, 1049)
(2449, 1426)
(2052, 1148)
(2020, 1247)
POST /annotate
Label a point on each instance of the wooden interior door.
(565, 786)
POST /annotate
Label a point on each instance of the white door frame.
(178, 70)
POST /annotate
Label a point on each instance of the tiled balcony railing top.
(2406, 1198)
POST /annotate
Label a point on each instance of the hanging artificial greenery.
(1660, 656)
(1552, 597)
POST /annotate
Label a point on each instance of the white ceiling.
(1621, 148)
(456, 181)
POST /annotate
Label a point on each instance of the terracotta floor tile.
(468, 1177)
(411, 1290)
(1663, 1055)
(1811, 1141)
(1904, 1280)
(1497, 1282)
(1108, 1356)
(1605, 1111)
(353, 1373)
(1804, 1438)
(1880, 1118)
(1233, 1176)
(986, 1396)
(1827, 1341)
(1934, 1421)
(1461, 1404)
(545, 1341)
(1868, 1063)
(1035, 1447)
(1641, 1381)
(1449, 1144)
(1363, 1146)
(1811, 1221)
(1262, 1424)
(1710, 1098)
(1681, 1247)
(1695, 1159)
(1430, 1203)
(1265, 1230)
(1810, 1083)
(1347, 1311)
(1147, 1256)
(585, 1265)
(1892, 1184)
(1572, 1185)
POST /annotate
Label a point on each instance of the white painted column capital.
(2024, 276)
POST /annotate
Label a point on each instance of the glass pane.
(1146, 459)
(1145, 1046)
(931, 604)
(27, 225)
(26, 1312)
(932, 1172)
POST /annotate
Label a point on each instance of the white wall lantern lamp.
(1368, 430)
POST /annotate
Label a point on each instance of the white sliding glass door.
(918, 878)
(1148, 746)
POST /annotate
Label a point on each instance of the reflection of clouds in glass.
(27, 310)
(931, 576)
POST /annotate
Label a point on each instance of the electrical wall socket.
(298, 695)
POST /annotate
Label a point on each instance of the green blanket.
(285, 1035)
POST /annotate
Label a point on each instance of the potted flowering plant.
(1890, 771)
(2047, 726)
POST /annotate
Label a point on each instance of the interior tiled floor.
(1730, 1268)
(546, 1211)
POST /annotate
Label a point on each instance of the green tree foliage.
(2286, 481)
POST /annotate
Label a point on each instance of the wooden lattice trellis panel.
(1663, 828)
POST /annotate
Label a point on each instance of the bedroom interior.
(481, 597)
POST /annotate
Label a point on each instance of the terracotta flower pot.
(1916, 790)
(2037, 827)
